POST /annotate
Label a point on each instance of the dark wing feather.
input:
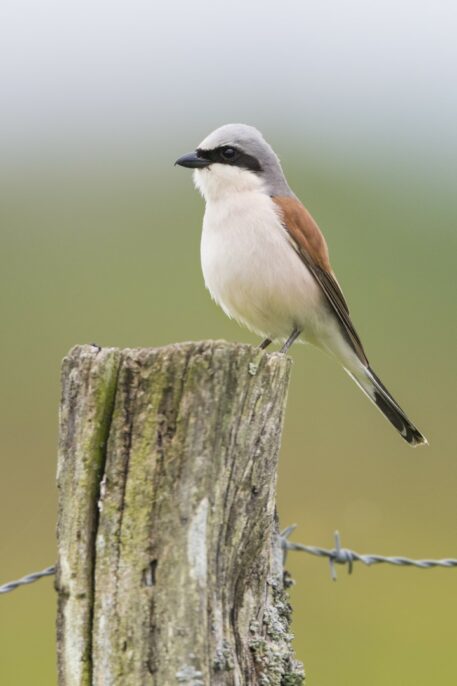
(310, 244)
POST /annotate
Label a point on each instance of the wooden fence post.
(169, 561)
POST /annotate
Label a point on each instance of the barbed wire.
(345, 556)
(336, 556)
(29, 579)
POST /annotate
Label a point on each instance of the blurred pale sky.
(114, 73)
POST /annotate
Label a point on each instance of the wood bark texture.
(169, 559)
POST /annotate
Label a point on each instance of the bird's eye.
(228, 154)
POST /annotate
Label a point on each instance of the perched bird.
(266, 263)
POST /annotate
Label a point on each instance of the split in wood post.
(170, 563)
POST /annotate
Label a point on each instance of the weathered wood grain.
(170, 566)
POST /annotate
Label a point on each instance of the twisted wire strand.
(337, 555)
(345, 556)
(29, 579)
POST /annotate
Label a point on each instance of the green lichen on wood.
(271, 640)
(184, 548)
(88, 388)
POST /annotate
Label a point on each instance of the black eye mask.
(228, 154)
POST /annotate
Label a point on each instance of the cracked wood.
(170, 567)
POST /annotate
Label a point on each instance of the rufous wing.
(310, 244)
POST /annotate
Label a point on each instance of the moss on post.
(170, 566)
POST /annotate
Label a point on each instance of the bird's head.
(235, 158)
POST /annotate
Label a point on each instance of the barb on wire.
(342, 556)
(29, 579)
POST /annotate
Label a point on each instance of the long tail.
(373, 387)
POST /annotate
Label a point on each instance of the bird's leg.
(264, 344)
(292, 338)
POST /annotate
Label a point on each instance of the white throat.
(221, 180)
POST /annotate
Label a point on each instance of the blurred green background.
(100, 243)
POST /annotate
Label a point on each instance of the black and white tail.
(373, 387)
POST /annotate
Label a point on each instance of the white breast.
(251, 269)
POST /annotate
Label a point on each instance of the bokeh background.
(99, 241)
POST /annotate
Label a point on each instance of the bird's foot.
(265, 343)
(292, 338)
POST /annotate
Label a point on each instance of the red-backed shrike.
(266, 263)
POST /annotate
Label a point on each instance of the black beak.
(193, 161)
